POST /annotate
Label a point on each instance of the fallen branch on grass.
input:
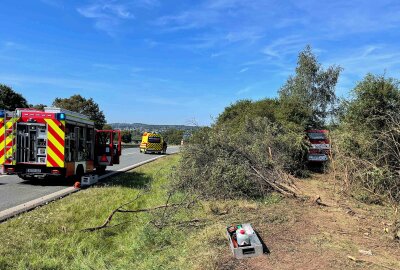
(120, 209)
(318, 201)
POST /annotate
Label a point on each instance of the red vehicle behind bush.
(319, 145)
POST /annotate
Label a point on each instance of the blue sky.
(179, 62)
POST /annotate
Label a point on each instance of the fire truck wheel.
(101, 169)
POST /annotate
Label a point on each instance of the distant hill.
(146, 127)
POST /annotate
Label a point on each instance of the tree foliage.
(107, 127)
(38, 106)
(368, 138)
(126, 136)
(374, 98)
(308, 97)
(79, 104)
(173, 136)
(234, 116)
(10, 100)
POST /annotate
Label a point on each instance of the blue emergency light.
(60, 116)
(1, 114)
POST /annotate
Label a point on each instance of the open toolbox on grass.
(244, 241)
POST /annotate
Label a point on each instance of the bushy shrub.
(224, 164)
(367, 143)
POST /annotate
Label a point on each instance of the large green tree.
(79, 104)
(10, 100)
(308, 97)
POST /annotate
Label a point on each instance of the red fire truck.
(319, 145)
(54, 143)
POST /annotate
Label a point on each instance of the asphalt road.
(15, 191)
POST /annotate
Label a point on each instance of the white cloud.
(370, 58)
(189, 19)
(286, 45)
(105, 11)
(357, 62)
(106, 15)
(243, 70)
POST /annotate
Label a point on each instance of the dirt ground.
(344, 234)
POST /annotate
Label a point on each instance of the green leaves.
(126, 136)
(173, 136)
(309, 95)
(10, 100)
(368, 138)
(79, 104)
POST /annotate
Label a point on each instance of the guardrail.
(130, 145)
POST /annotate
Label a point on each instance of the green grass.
(51, 237)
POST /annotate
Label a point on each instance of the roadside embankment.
(300, 234)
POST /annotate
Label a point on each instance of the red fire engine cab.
(319, 145)
(54, 143)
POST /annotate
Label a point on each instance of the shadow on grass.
(133, 179)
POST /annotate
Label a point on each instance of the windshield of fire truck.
(316, 136)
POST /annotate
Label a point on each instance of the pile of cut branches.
(250, 163)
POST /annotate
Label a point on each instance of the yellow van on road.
(153, 143)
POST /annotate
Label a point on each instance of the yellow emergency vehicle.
(153, 143)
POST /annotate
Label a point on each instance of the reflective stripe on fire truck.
(2, 144)
(55, 143)
(10, 140)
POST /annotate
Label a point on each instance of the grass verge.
(51, 237)
(299, 234)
